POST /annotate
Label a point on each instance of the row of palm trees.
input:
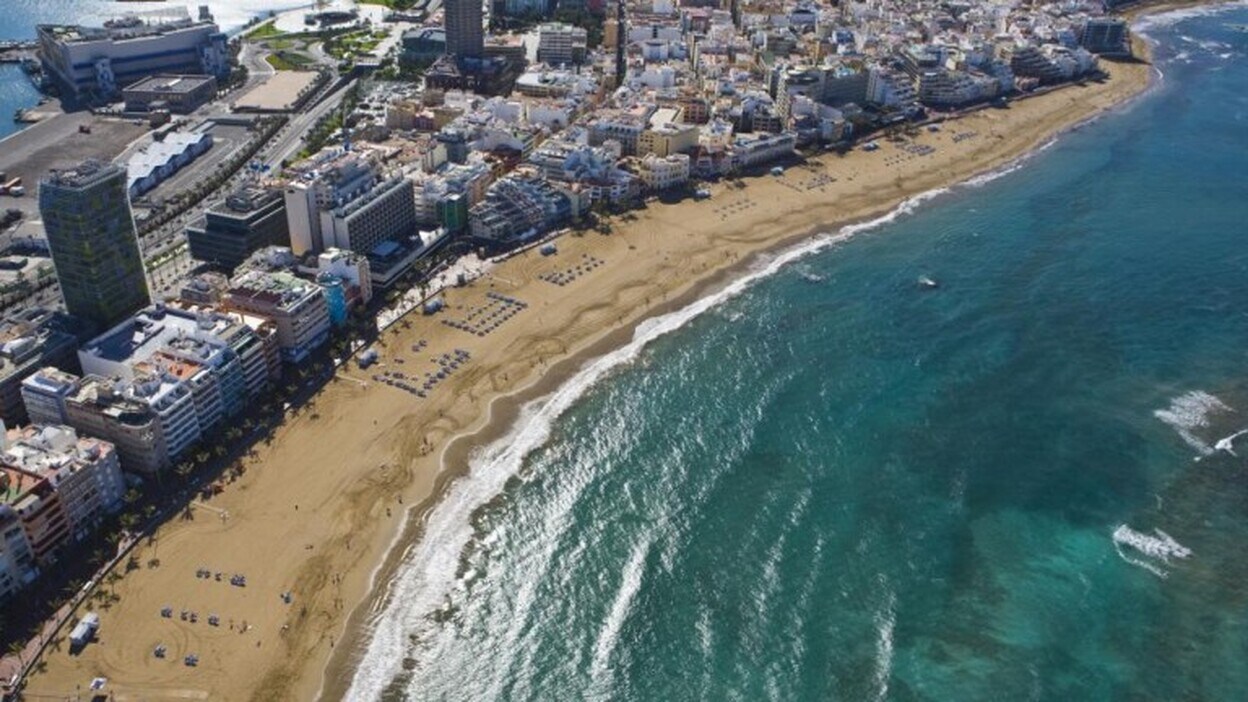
(221, 174)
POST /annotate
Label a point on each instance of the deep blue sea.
(836, 485)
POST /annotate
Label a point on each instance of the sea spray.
(1190, 412)
(609, 634)
(1158, 547)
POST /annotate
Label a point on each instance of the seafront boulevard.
(320, 534)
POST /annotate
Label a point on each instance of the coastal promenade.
(323, 503)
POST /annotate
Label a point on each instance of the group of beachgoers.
(192, 617)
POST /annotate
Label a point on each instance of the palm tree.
(202, 457)
(128, 521)
(17, 649)
(131, 496)
(184, 469)
(72, 587)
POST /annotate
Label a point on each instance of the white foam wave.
(1156, 547)
(429, 567)
(1227, 443)
(1160, 20)
(609, 635)
(885, 623)
(810, 276)
(1189, 412)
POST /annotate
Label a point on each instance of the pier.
(18, 51)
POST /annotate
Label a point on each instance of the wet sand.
(322, 511)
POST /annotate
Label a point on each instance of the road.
(290, 139)
(169, 242)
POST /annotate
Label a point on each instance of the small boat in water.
(927, 283)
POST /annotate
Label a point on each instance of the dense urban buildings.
(30, 340)
(59, 484)
(90, 230)
(501, 142)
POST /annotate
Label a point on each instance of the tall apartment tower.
(465, 36)
(95, 248)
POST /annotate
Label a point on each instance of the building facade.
(96, 62)
(244, 222)
(559, 44)
(95, 248)
(386, 212)
(465, 32)
(181, 94)
(84, 471)
(296, 307)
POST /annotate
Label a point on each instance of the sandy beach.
(322, 506)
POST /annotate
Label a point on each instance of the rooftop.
(171, 83)
(140, 337)
(84, 175)
(131, 26)
(46, 450)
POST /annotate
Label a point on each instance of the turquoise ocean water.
(835, 485)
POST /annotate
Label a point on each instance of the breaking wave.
(1189, 412)
(1148, 551)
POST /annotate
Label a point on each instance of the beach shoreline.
(503, 410)
(413, 453)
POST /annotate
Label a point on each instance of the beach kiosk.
(84, 631)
